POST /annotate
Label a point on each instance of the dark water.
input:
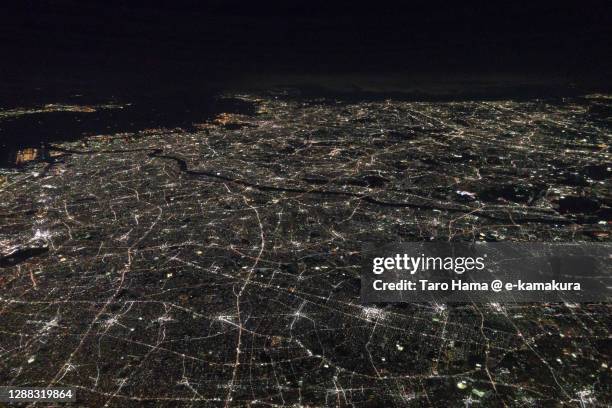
(27, 130)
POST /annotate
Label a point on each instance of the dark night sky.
(54, 38)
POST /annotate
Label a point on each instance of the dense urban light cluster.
(220, 263)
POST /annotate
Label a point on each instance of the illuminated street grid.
(218, 265)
